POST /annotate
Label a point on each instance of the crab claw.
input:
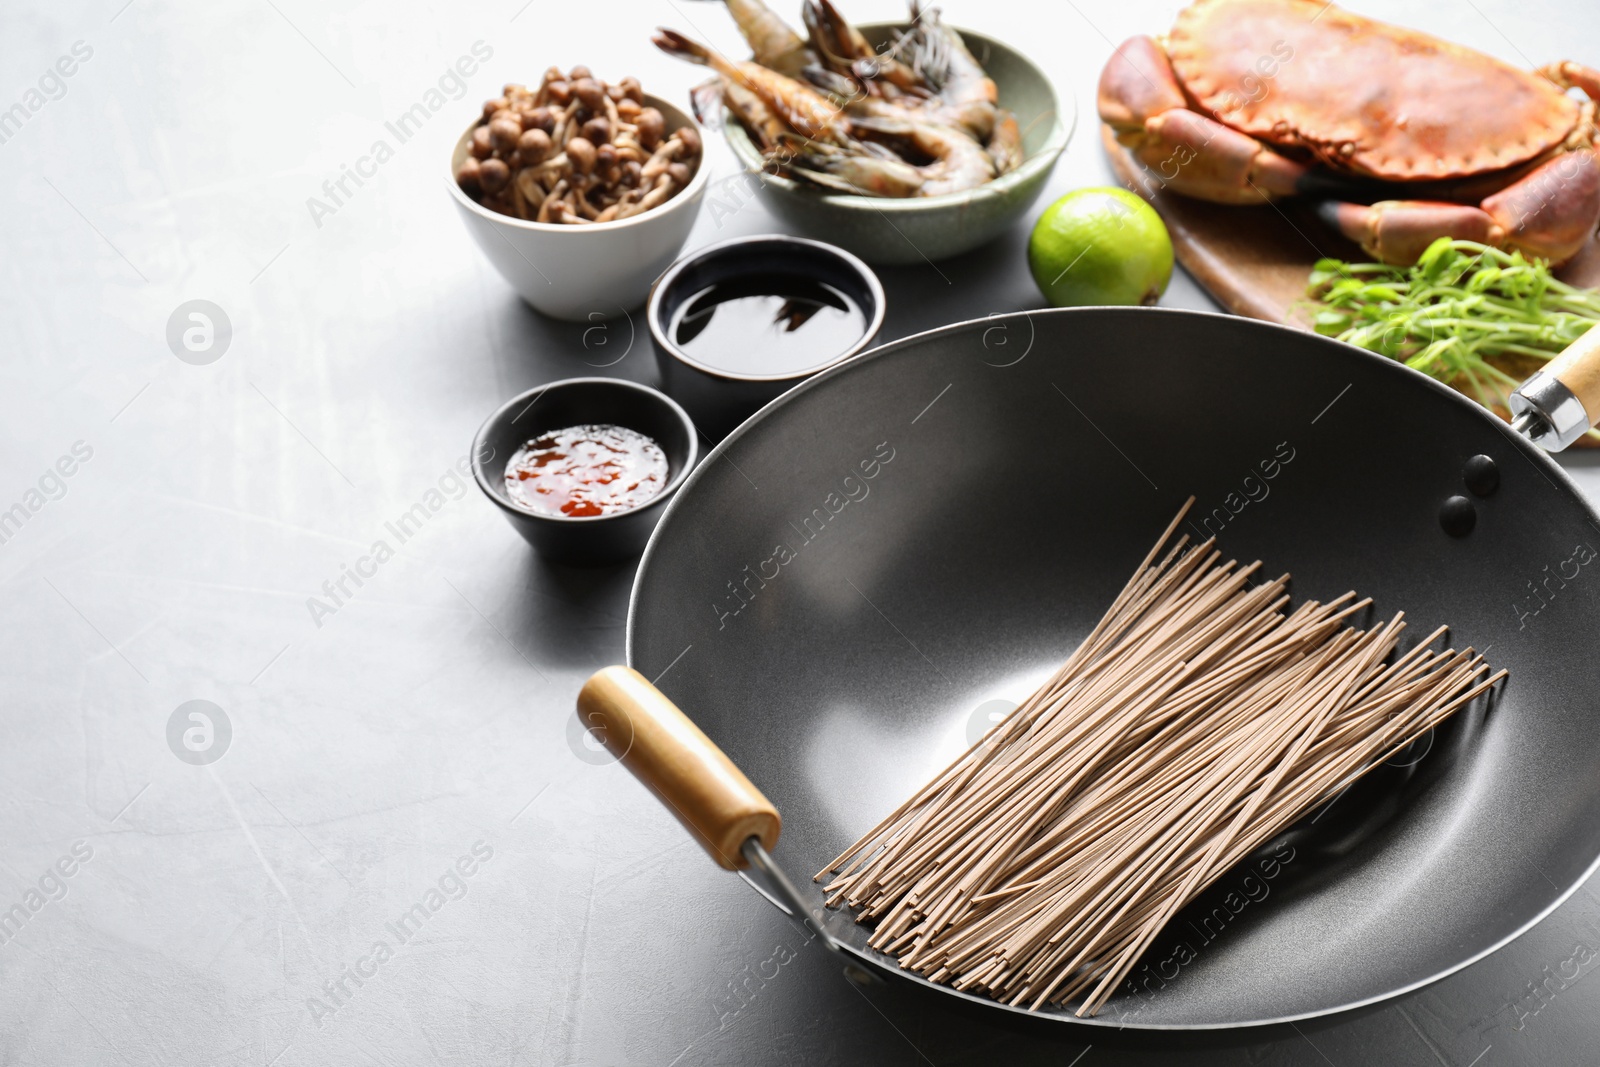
(1553, 210)
(1399, 231)
(1137, 84)
(1549, 213)
(1140, 99)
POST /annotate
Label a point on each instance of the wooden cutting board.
(1254, 261)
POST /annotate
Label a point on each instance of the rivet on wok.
(1481, 476)
(1458, 516)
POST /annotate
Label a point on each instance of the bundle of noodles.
(1200, 718)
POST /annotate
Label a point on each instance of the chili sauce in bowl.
(586, 471)
(583, 468)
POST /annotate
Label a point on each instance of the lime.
(1100, 246)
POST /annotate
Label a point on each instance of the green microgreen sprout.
(1460, 305)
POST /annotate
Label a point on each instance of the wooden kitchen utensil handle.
(1578, 368)
(681, 765)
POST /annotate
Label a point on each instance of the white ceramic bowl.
(585, 273)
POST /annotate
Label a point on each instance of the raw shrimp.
(918, 118)
(774, 44)
(795, 103)
(965, 96)
(852, 172)
(969, 95)
(959, 162)
(845, 50)
(846, 95)
(1005, 145)
(765, 128)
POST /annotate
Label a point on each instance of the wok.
(849, 578)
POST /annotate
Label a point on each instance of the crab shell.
(1361, 96)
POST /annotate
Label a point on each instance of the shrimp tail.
(1005, 146)
(678, 46)
(842, 31)
(706, 101)
(821, 39)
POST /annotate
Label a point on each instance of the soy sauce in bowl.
(768, 324)
(739, 322)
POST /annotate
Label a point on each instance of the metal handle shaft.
(784, 892)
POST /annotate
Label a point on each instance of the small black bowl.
(720, 399)
(598, 539)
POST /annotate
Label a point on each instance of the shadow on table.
(574, 616)
(538, 349)
(924, 296)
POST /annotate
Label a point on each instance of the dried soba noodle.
(1200, 718)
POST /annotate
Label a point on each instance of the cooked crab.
(1403, 137)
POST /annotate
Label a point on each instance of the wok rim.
(1541, 460)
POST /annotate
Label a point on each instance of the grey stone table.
(396, 767)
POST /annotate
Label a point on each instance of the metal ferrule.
(1548, 412)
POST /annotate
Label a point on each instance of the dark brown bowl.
(598, 539)
(720, 399)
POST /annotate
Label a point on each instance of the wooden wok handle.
(686, 771)
(1578, 368)
(1562, 399)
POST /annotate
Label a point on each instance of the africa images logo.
(199, 732)
(199, 332)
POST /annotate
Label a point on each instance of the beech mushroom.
(576, 151)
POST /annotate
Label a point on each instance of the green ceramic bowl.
(890, 230)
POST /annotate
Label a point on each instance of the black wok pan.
(847, 579)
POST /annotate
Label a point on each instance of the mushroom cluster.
(576, 150)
